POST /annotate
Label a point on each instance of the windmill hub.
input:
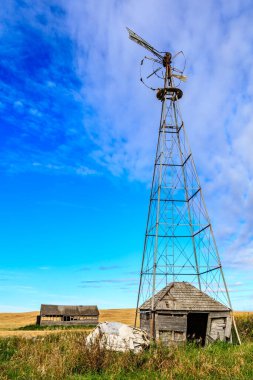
(167, 59)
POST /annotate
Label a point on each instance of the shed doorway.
(196, 327)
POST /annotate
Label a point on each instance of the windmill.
(180, 253)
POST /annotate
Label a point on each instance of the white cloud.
(217, 104)
(18, 105)
(83, 171)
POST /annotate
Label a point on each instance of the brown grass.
(31, 334)
(66, 356)
(243, 313)
(11, 321)
(15, 320)
(118, 315)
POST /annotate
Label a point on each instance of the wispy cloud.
(110, 281)
(109, 267)
(218, 118)
(85, 269)
(104, 268)
(62, 113)
(71, 101)
(41, 105)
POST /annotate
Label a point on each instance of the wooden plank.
(228, 327)
(217, 330)
(165, 322)
(221, 314)
(68, 323)
(145, 325)
(172, 313)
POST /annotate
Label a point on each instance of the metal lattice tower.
(179, 241)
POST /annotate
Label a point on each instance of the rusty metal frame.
(177, 206)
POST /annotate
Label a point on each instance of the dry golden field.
(15, 320)
(9, 322)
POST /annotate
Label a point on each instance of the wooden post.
(152, 325)
(236, 331)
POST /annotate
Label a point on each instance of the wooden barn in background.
(68, 315)
(184, 313)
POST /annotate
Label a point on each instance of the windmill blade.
(179, 52)
(154, 72)
(176, 64)
(134, 37)
(183, 78)
(177, 70)
(153, 59)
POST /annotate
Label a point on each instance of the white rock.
(119, 337)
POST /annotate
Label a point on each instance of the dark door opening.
(196, 327)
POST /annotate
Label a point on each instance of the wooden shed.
(68, 315)
(184, 313)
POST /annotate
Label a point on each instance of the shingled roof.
(69, 310)
(183, 296)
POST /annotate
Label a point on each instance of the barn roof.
(185, 297)
(68, 310)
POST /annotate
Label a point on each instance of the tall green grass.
(66, 356)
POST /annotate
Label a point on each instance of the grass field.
(64, 355)
(15, 320)
(10, 322)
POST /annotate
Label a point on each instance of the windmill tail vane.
(180, 77)
(179, 244)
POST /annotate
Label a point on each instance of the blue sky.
(78, 134)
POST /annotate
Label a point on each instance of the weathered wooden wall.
(173, 328)
(63, 323)
(219, 326)
(169, 322)
(145, 322)
(47, 322)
